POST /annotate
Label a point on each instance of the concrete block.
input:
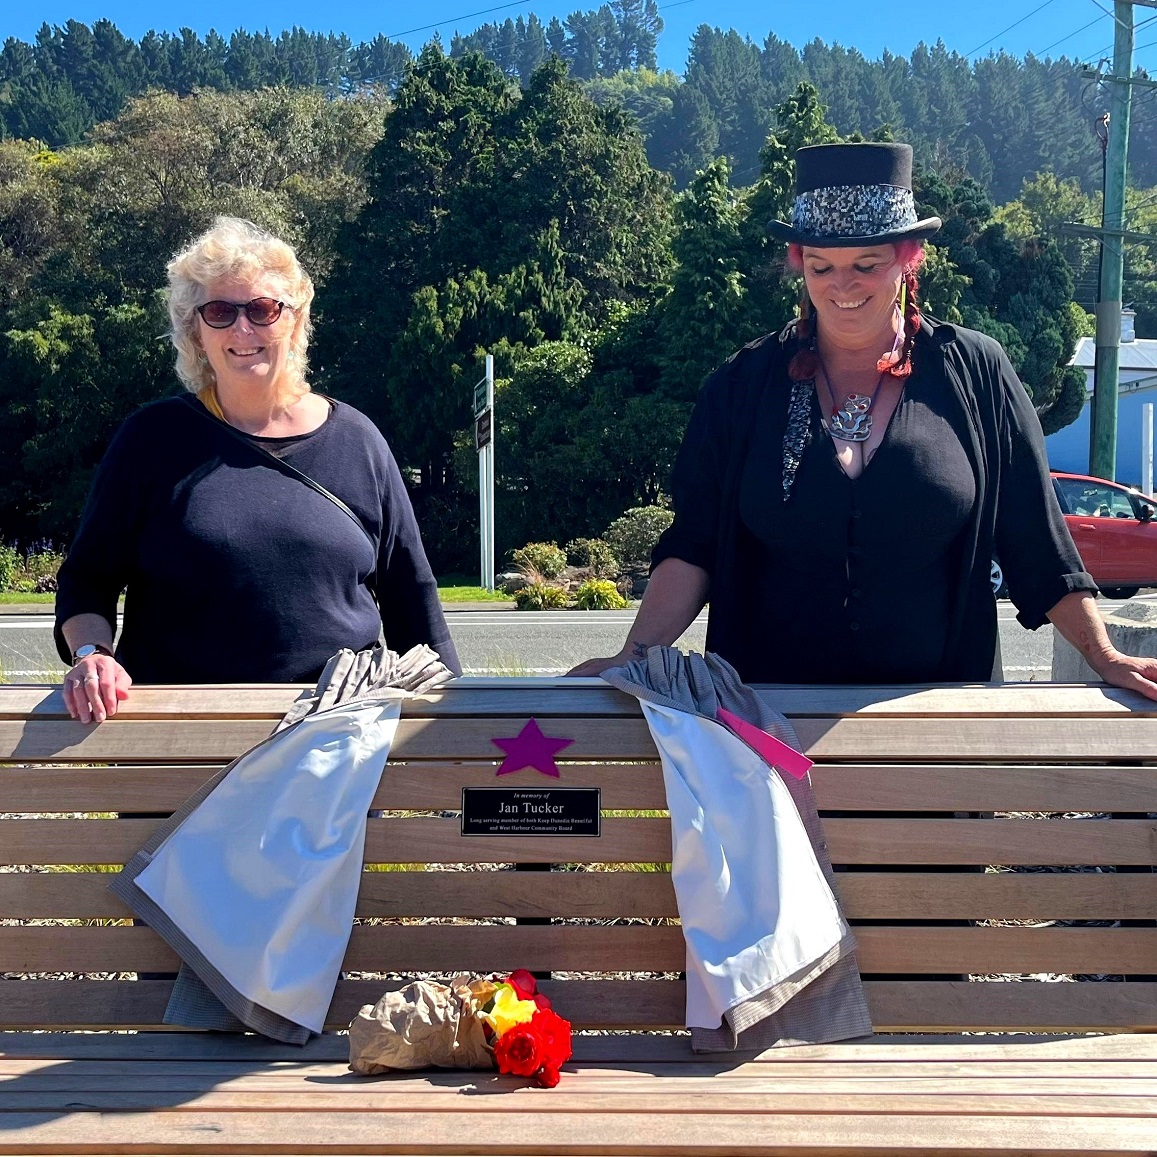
(1132, 628)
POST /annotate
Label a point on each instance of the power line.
(500, 8)
(455, 19)
(1095, 20)
(1109, 47)
(1039, 8)
(1116, 18)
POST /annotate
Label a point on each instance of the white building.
(1068, 449)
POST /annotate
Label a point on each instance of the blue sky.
(964, 26)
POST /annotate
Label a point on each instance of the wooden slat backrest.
(924, 753)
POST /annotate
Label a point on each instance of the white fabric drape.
(754, 904)
(262, 878)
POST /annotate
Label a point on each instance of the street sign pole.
(488, 577)
(484, 429)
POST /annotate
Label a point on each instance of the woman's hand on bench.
(1077, 618)
(592, 668)
(94, 687)
(1131, 672)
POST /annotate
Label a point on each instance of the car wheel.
(999, 586)
(1119, 592)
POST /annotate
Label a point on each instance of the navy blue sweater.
(234, 572)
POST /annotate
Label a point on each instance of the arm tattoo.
(639, 650)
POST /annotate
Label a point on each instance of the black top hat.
(853, 195)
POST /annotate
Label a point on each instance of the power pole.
(1103, 427)
(1113, 235)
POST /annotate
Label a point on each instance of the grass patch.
(458, 588)
(17, 598)
(471, 595)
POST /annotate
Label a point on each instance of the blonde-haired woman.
(254, 526)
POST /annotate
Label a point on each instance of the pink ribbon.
(774, 751)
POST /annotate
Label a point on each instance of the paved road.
(512, 643)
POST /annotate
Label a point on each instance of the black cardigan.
(1016, 515)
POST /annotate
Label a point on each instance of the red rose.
(523, 983)
(548, 1078)
(554, 1033)
(519, 1050)
(526, 987)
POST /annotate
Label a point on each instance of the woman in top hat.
(844, 485)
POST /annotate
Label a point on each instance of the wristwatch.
(89, 649)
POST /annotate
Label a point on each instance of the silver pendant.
(853, 423)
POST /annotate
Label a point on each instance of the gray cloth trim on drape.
(825, 1001)
(202, 997)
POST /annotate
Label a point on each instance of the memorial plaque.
(531, 811)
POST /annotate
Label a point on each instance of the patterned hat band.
(854, 210)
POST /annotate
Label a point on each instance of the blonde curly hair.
(233, 247)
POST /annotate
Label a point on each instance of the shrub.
(599, 595)
(595, 554)
(9, 564)
(41, 562)
(633, 535)
(547, 558)
(540, 597)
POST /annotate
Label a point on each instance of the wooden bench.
(922, 781)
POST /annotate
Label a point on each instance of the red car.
(1114, 530)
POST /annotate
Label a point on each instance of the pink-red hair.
(805, 364)
(908, 253)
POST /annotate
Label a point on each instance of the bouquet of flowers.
(530, 1039)
(470, 1023)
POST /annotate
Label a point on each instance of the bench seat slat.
(617, 894)
(438, 786)
(883, 1055)
(412, 949)
(1093, 1077)
(852, 739)
(912, 1006)
(738, 1082)
(673, 1097)
(697, 1131)
(643, 840)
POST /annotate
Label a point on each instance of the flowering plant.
(529, 1038)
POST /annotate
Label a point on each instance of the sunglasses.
(259, 311)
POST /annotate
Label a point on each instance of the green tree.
(706, 315)
(800, 120)
(66, 381)
(500, 219)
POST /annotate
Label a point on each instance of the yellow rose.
(508, 1010)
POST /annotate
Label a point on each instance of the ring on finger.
(91, 679)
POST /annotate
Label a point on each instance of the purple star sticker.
(530, 748)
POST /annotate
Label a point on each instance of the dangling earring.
(805, 363)
(904, 294)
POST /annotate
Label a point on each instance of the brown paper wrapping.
(424, 1025)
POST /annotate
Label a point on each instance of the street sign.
(481, 398)
(483, 429)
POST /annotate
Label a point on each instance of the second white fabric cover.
(753, 901)
(260, 877)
